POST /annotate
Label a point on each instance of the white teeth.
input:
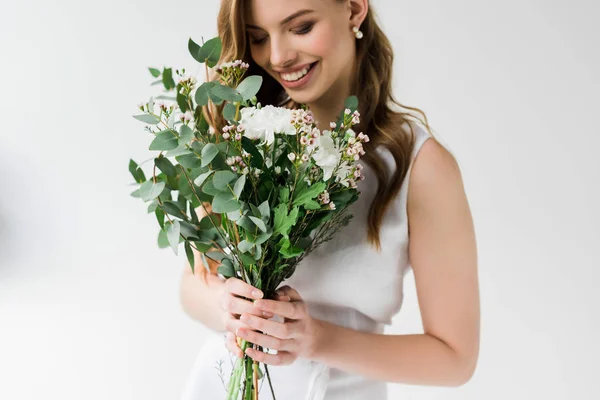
(296, 75)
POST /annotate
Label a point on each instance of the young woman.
(328, 324)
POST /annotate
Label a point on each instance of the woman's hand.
(296, 337)
(236, 299)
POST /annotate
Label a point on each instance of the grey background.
(89, 305)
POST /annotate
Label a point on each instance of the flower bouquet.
(277, 185)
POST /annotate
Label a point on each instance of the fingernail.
(257, 294)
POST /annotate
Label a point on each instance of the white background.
(89, 305)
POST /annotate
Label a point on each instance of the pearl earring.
(357, 33)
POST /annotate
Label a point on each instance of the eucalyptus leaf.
(211, 51)
(224, 203)
(155, 72)
(167, 78)
(173, 209)
(226, 270)
(229, 112)
(147, 118)
(150, 190)
(222, 179)
(249, 87)
(239, 186)
(190, 255)
(165, 165)
(202, 93)
(226, 93)
(264, 209)
(245, 246)
(136, 172)
(209, 152)
(164, 140)
(194, 50)
(173, 230)
(258, 222)
(202, 177)
(186, 134)
(190, 161)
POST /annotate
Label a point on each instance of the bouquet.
(278, 186)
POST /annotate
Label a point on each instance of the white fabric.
(344, 281)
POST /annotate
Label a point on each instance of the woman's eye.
(258, 41)
(305, 29)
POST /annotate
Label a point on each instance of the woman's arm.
(199, 299)
(443, 256)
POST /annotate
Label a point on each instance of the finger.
(266, 341)
(238, 287)
(238, 306)
(281, 358)
(268, 327)
(232, 324)
(287, 309)
(289, 291)
(233, 346)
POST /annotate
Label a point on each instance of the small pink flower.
(292, 157)
(226, 136)
(238, 136)
(332, 125)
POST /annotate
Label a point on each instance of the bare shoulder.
(443, 254)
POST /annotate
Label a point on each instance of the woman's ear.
(358, 12)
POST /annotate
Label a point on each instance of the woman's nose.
(281, 53)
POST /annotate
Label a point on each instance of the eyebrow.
(286, 20)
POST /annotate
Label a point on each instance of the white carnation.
(327, 155)
(264, 122)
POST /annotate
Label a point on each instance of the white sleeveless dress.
(344, 281)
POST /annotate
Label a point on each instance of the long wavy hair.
(382, 117)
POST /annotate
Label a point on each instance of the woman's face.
(289, 36)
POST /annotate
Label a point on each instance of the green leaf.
(250, 86)
(209, 188)
(264, 209)
(164, 140)
(305, 194)
(351, 103)
(224, 203)
(246, 223)
(202, 93)
(216, 255)
(186, 134)
(259, 222)
(229, 112)
(165, 165)
(162, 240)
(173, 209)
(155, 72)
(136, 172)
(147, 118)
(260, 239)
(194, 49)
(226, 270)
(209, 152)
(256, 159)
(312, 205)
(282, 221)
(245, 246)
(239, 186)
(173, 230)
(222, 178)
(182, 102)
(167, 78)
(160, 217)
(150, 190)
(190, 255)
(226, 93)
(179, 151)
(190, 161)
(201, 178)
(284, 195)
(287, 250)
(211, 51)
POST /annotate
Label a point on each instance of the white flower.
(343, 174)
(263, 123)
(327, 155)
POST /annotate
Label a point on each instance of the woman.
(327, 325)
